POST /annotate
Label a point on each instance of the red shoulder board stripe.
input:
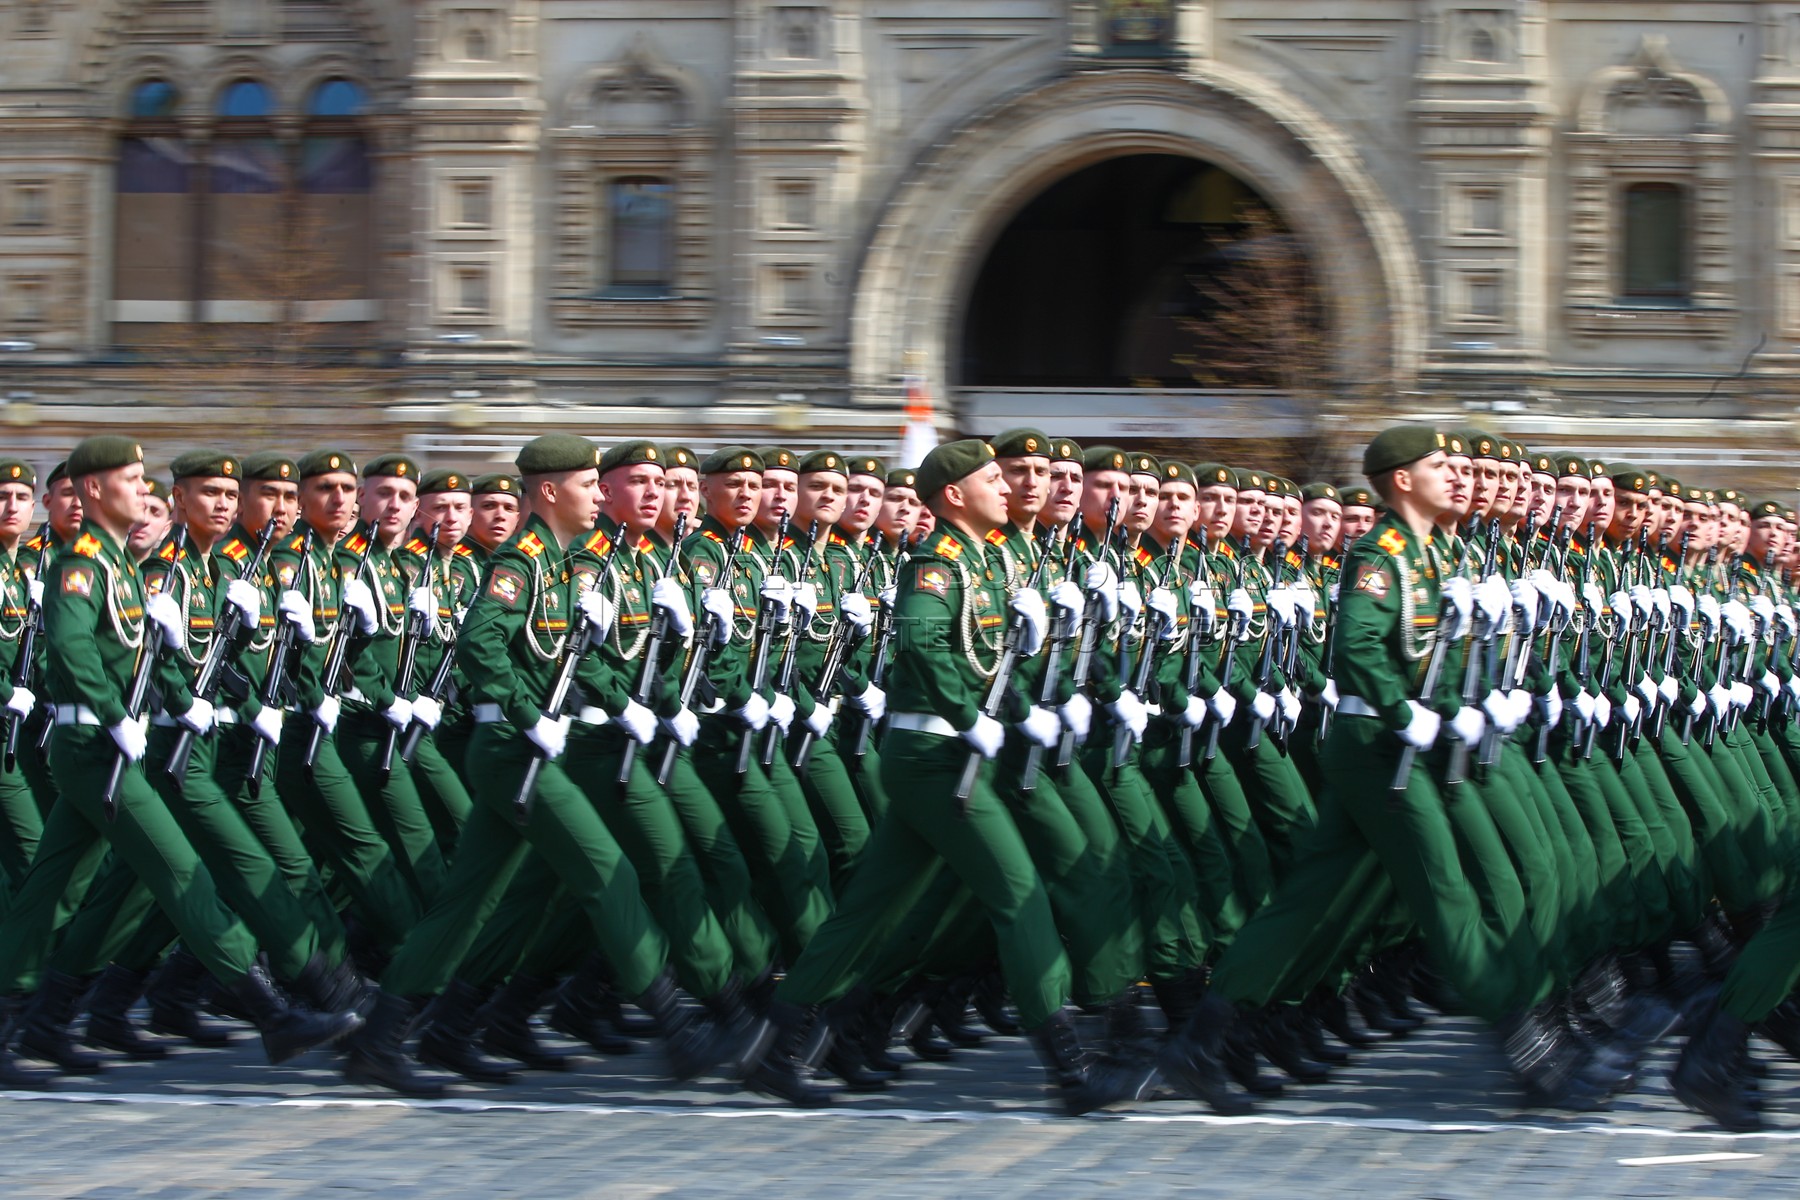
(531, 545)
(644, 544)
(416, 546)
(948, 547)
(355, 543)
(1144, 557)
(463, 551)
(87, 545)
(711, 536)
(235, 550)
(597, 541)
(1227, 549)
(996, 538)
(1392, 541)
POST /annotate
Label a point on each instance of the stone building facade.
(447, 225)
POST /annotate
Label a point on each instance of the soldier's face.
(1433, 484)
(206, 506)
(821, 498)
(1028, 475)
(862, 504)
(496, 519)
(150, 533)
(980, 499)
(1098, 491)
(1656, 515)
(1486, 484)
(733, 497)
(1572, 492)
(62, 508)
(1357, 521)
(453, 510)
(1541, 492)
(1462, 485)
(116, 497)
(780, 492)
(1176, 508)
(16, 511)
(1215, 507)
(1247, 518)
(1705, 525)
(569, 502)
(1630, 511)
(328, 502)
(1600, 503)
(634, 494)
(1765, 535)
(1065, 493)
(390, 502)
(1290, 519)
(681, 495)
(900, 509)
(1141, 493)
(265, 500)
(1320, 521)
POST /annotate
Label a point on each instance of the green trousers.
(978, 841)
(22, 814)
(1275, 788)
(394, 803)
(1768, 970)
(442, 791)
(1192, 821)
(724, 868)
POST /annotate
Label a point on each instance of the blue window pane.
(334, 165)
(336, 98)
(153, 165)
(154, 99)
(246, 98)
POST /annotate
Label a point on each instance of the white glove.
(684, 726)
(551, 735)
(778, 593)
(1632, 710)
(722, 609)
(1422, 730)
(1459, 594)
(1525, 605)
(1682, 600)
(986, 735)
(806, 599)
(1223, 705)
(1669, 690)
(1720, 696)
(421, 603)
(1593, 598)
(1642, 602)
(856, 609)
(200, 716)
(599, 611)
(246, 597)
(1162, 604)
(1194, 714)
(361, 600)
(819, 720)
(1741, 694)
(427, 712)
(1102, 587)
(1328, 695)
(36, 591)
(1553, 706)
(130, 735)
(297, 610)
(1306, 603)
(1068, 599)
(1239, 604)
(267, 723)
(1130, 712)
(1279, 603)
(1131, 599)
(1262, 707)
(1659, 600)
(1521, 708)
(781, 711)
(1785, 620)
(888, 595)
(1078, 714)
(1737, 618)
(399, 713)
(1645, 688)
(1763, 607)
(1602, 711)
(1584, 707)
(1562, 600)
(1468, 724)
(21, 702)
(1621, 604)
(1494, 599)
(1709, 608)
(1034, 619)
(1290, 705)
(1200, 598)
(755, 712)
(1793, 686)
(1499, 709)
(637, 721)
(327, 713)
(165, 614)
(872, 701)
(1042, 726)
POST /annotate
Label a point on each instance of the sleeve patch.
(935, 580)
(506, 586)
(703, 571)
(1373, 580)
(78, 581)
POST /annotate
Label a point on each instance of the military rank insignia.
(78, 582)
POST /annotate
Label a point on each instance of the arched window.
(335, 221)
(245, 99)
(154, 213)
(642, 257)
(245, 208)
(1654, 255)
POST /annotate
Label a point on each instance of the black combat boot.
(12, 1075)
(287, 1031)
(109, 1023)
(1304, 1021)
(990, 1004)
(1193, 1057)
(1710, 1077)
(745, 1032)
(782, 1070)
(1783, 1027)
(876, 1033)
(1334, 1014)
(1546, 1063)
(1372, 1007)
(1276, 1040)
(1391, 978)
(584, 1011)
(950, 1012)
(44, 1027)
(376, 1055)
(1083, 1085)
(1179, 997)
(175, 993)
(845, 1055)
(450, 1031)
(694, 1045)
(324, 988)
(509, 1031)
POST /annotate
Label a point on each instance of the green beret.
(1063, 450)
(824, 460)
(1105, 458)
(1627, 478)
(17, 470)
(1672, 487)
(1652, 480)
(872, 467)
(156, 487)
(1144, 464)
(1271, 484)
(1396, 447)
(680, 456)
(205, 464)
(1479, 444)
(1356, 497)
(629, 454)
(1766, 508)
(1290, 488)
(1731, 496)
(727, 459)
(59, 471)
(269, 465)
(1596, 469)
(778, 458)
(1249, 480)
(554, 453)
(105, 452)
(950, 462)
(1455, 446)
(1175, 472)
(1020, 443)
(494, 484)
(392, 466)
(442, 480)
(1520, 452)
(901, 477)
(1214, 474)
(326, 462)
(1542, 464)
(1572, 465)
(1320, 491)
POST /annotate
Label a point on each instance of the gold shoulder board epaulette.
(948, 547)
(235, 550)
(531, 545)
(87, 545)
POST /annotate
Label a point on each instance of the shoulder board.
(354, 543)
(531, 545)
(235, 550)
(1668, 564)
(1331, 561)
(36, 542)
(838, 539)
(168, 553)
(644, 544)
(1293, 559)
(87, 545)
(710, 536)
(1227, 549)
(1392, 541)
(996, 538)
(296, 542)
(597, 542)
(948, 547)
(1143, 557)
(415, 546)
(463, 551)
(1577, 548)
(788, 543)
(1081, 543)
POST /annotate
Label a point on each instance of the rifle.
(790, 650)
(212, 668)
(439, 688)
(1671, 636)
(696, 665)
(1199, 626)
(759, 659)
(34, 625)
(337, 647)
(1087, 635)
(659, 633)
(576, 643)
(1140, 678)
(995, 700)
(1236, 634)
(1060, 636)
(137, 695)
(1458, 765)
(1265, 662)
(418, 630)
(844, 637)
(1434, 666)
(1552, 635)
(280, 651)
(884, 642)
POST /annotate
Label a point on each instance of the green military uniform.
(22, 810)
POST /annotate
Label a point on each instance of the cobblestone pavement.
(1431, 1116)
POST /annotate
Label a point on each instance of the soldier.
(495, 515)
(22, 811)
(681, 488)
(148, 535)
